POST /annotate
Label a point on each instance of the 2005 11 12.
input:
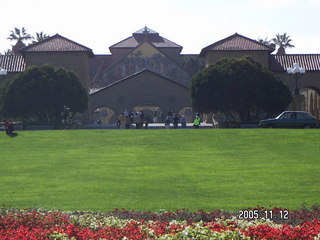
(267, 214)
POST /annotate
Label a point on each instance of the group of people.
(126, 119)
(141, 120)
(175, 119)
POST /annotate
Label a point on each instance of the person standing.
(122, 119)
(167, 123)
(66, 117)
(146, 122)
(137, 120)
(141, 119)
(170, 115)
(196, 122)
(175, 121)
(128, 122)
(9, 127)
(155, 117)
(183, 121)
(162, 116)
(131, 117)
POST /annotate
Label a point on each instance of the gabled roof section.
(145, 35)
(144, 56)
(12, 63)
(136, 74)
(280, 63)
(57, 43)
(236, 42)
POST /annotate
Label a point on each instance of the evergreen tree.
(39, 93)
(238, 85)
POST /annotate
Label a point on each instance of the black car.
(291, 119)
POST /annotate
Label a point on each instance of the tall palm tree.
(264, 41)
(282, 41)
(19, 34)
(40, 36)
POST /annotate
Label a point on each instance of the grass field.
(160, 169)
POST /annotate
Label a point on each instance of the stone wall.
(77, 62)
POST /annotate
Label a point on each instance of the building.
(57, 51)
(148, 72)
(143, 73)
(309, 84)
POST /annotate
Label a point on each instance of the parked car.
(291, 119)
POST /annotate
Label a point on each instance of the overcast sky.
(193, 24)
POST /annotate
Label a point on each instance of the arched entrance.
(153, 112)
(102, 114)
(188, 113)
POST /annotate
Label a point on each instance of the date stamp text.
(251, 214)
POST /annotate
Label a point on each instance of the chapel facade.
(147, 72)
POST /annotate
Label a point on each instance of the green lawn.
(160, 169)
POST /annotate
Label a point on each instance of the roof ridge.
(120, 42)
(67, 39)
(56, 36)
(296, 54)
(37, 43)
(137, 73)
(268, 48)
(261, 44)
(135, 39)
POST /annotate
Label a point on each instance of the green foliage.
(264, 41)
(282, 40)
(21, 34)
(40, 36)
(39, 93)
(240, 85)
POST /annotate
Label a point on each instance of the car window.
(289, 116)
(307, 115)
(302, 116)
(285, 116)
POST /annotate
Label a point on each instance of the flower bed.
(182, 224)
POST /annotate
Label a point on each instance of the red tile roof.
(145, 34)
(12, 63)
(278, 63)
(236, 42)
(56, 43)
